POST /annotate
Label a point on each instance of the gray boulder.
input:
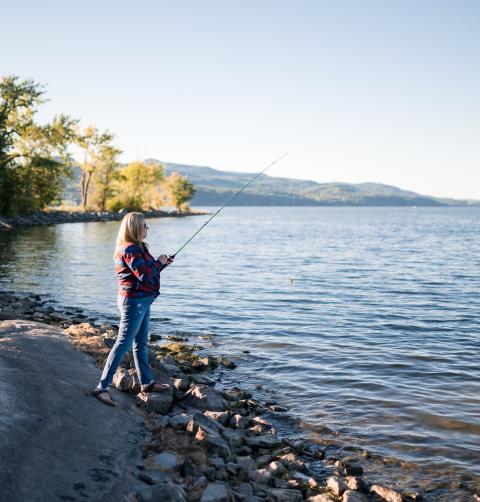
(158, 402)
(217, 492)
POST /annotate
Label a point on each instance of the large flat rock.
(57, 442)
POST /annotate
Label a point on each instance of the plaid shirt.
(137, 271)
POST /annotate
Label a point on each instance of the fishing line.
(228, 202)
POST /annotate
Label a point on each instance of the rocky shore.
(206, 444)
(54, 216)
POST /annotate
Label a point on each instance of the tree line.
(36, 161)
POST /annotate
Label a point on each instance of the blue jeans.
(134, 321)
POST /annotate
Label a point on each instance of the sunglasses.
(146, 226)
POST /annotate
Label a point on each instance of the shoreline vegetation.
(206, 444)
(37, 161)
(57, 216)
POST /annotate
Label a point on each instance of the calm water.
(363, 320)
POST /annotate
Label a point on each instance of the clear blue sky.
(384, 91)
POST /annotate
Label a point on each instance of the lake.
(364, 321)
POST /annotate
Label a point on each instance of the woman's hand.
(165, 260)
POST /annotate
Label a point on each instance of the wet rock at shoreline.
(353, 496)
(387, 494)
(204, 398)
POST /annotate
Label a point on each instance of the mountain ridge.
(215, 186)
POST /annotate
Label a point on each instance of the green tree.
(93, 143)
(179, 190)
(137, 185)
(34, 158)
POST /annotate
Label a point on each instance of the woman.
(138, 277)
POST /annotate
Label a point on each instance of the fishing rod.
(226, 204)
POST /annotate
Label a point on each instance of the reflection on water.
(364, 320)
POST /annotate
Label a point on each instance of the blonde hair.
(131, 230)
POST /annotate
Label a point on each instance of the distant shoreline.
(53, 217)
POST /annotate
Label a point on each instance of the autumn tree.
(34, 160)
(179, 190)
(106, 177)
(138, 181)
(95, 147)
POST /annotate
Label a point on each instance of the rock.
(161, 421)
(221, 475)
(212, 441)
(135, 382)
(181, 384)
(204, 398)
(158, 402)
(356, 484)
(166, 492)
(83, 329)
(260, 421)
(292, 461)
(321, 497)
(387, 494)
(218, 462)
(306, 480)
(351, 469)
(217, 492)
(246, 463)
(180, 420)
(200, 418)
(239, 422)
(203, 380)
(199, 365)
(244, 490)
(264, 441)
(210, 361)
(236, 393)
(336, 485)
(227, 363)
(221, 417)
(280, 483)
(276, 468)
(353, 496)
(264, 459)
(166, 359)
(167, 461)
(318, 454)
(162, 372)
(277, 408)
(261, 476)
(232, 468)
(122, 380)
(234, 438)
(284, 495)
(154, 477)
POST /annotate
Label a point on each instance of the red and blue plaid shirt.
(138, 272)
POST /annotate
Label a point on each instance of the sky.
(354, 90)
